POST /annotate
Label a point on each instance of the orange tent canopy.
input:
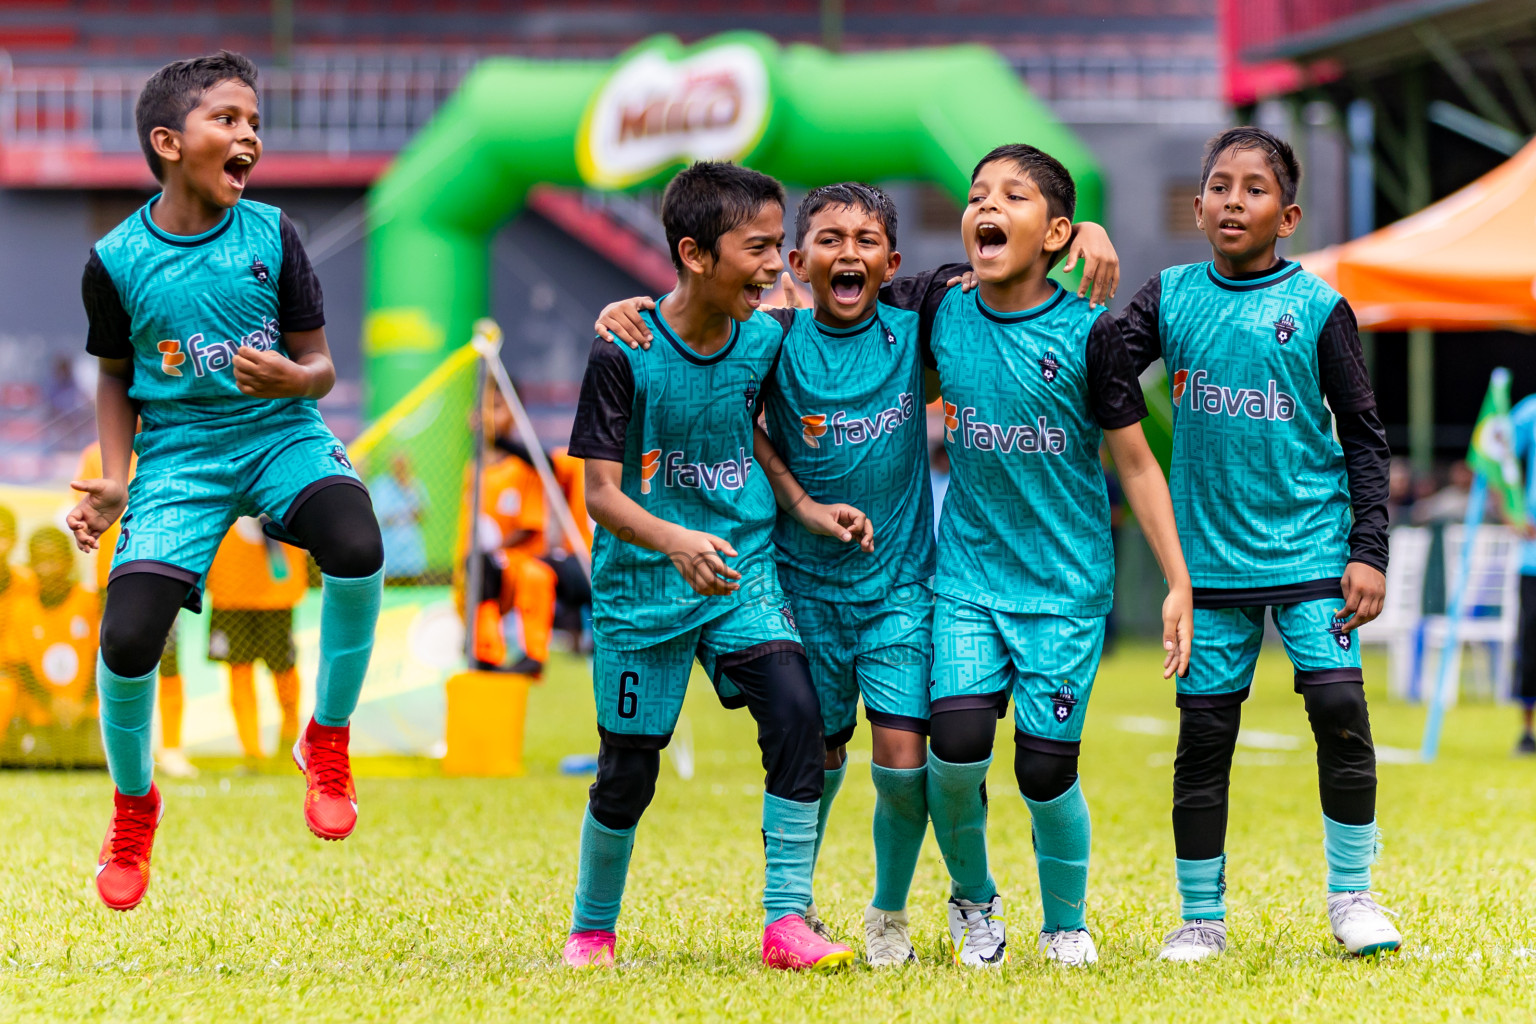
(1467, 263)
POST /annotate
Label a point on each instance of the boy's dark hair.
(1052, 179)
(172, 92)
(848, 194)
(711, 198)
(1277, 153)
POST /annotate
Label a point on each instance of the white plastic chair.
(1491, 610)
(1397, 626)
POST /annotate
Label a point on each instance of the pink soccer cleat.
(589, 949)
(789, 945)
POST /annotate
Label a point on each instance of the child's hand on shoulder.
(622, 320)
(1365, 591)
(842, 521)
(263, 373)
(1101, 264)
(95, 513)
(697, 556)
(1178, 627)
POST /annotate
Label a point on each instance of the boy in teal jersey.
(208, 322)
(683, 566)
(1274, 513)
(845, 420)
(1032, 380)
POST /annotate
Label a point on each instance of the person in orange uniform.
(50, 656)
(510, 538)
(171, 759)
(16, 585)
(573, 589)
(252, 588)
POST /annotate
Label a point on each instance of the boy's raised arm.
(1139, 324)
(839, 520)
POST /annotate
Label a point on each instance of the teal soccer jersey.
(1026, 396)
(682, 426)
(178, 308)
(1261, 488)
(844, 410)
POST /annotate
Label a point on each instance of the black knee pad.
(626, 782)
(137, 620)
(1041, 776)
(777, 689)
(338, 527)
(964, 736)
(1346, 756)
(1202, 767)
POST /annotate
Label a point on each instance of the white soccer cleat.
(1070, 948)
(1194, 940)
(1360, 924)
(977, 936)
(817, 926)
(886, 943)
(175, 764)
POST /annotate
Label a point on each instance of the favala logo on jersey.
(676, 471)
(1025, 438)
(215, 356)
(1218, 400)
(857, 429)
(171, 357)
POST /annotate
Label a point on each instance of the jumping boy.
(1273, 513)
(208, 323)
(682, 567)
(844, 417)
(1032, 379)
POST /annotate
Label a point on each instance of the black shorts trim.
(973, 702)
(901, 723)
(726, 662)
(1211, 700)
(1287, 593)
(1322, 676)
(1041, 745)
(840, 737)
(193, 602)
(309, 492)
(625, 741)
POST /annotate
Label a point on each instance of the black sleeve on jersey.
(1114, 393)
(922, 294)
(1341, 363)
(300, 306)
(784, 317)
(1139, 330)
(109, 333)
(606, 403)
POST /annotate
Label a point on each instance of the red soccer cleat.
(122, 870)
(330, 802)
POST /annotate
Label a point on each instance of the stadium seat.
(1490, 614)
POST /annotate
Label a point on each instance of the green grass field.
(451, 901)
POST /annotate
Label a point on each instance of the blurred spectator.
(15, 580)
(1523, 419)
(49, 657)
(1449, 504)
(938, 475)
(253, 586)
(170, 758)
(573, 587)
(1400, 496)
(69, 410)
(401, 504)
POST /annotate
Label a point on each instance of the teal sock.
(789, 844)
(957, 802)
(600, 875)
(1350, 850)
(1202, 888)
(127, 708)
(349, 610)
(901, 820)
(832, 781)
(1062, 836)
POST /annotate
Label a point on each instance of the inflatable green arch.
(802, 114)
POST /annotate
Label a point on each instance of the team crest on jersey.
(340, 455)
(750, 391)
(650, 462)
(1063, 701)
(1336, 628)
(260, 270)
(171, 357)
(813, 427)
(1049, 366)
(789, 617)
(1285, 328)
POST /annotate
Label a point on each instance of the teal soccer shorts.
(186, 494)
(882, 650)
(1044, 663)
(1226, 645)
(640, 692)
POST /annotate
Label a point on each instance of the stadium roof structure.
(1466, 263)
